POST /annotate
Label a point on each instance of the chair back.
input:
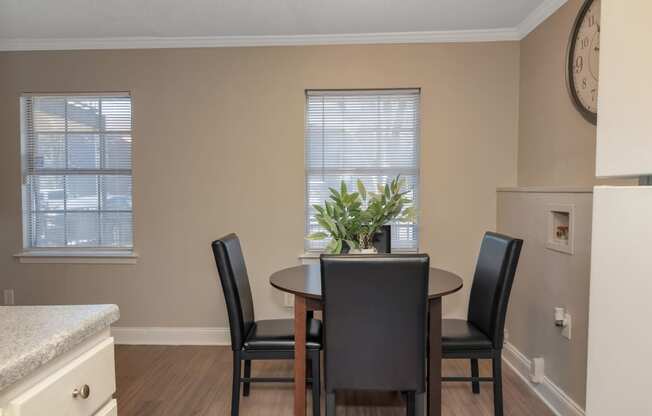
(375, 321)
(492, 284)
(235, 284)
(383, 240)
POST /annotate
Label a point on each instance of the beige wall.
(556, 145)
(547, 279)
(219, 148)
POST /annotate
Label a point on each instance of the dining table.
(304, 282)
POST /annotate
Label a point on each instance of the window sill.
(77, 257)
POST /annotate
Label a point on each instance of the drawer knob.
(83, 392)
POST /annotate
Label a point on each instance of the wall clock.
(582, 68)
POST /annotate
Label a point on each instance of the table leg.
(300, 312)
(434, 358)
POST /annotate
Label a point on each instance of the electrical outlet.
(8, 297)
(288, 300)
(537, 370)
(566, 330)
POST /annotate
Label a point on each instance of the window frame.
(310, 252)
(73, 254)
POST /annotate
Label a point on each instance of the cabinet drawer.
(54, 395)
(111, 409)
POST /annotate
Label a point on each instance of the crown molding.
(534, 19)
(40, 44)
(538, 16)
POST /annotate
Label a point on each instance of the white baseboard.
(171, 335)
(553, 396)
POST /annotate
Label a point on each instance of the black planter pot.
(345, 248)
(382, 241)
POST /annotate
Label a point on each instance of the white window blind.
(368, 135)
(77, 178)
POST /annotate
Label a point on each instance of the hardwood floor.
(196, 380)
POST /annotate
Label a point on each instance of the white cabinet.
(619, 339)
(624, 146)
(80, 383)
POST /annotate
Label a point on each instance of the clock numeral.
(594, 94)
(585, 43)
(592, 20)
(579, 64)
(584, 83)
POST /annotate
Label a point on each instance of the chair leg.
(309, 365)
(316, 382)
(498, 385)
(330, 404)
(235, 390)
(475, 372)
(247, 373)
(411, 403)
(420, 404)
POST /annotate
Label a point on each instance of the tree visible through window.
(368, 135)
(77, 177)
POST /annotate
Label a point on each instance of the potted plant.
(352, 219)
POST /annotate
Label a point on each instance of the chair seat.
(460, 335)
(278, 334)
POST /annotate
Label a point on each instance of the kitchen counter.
(32, 336)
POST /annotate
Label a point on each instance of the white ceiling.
(73, 22)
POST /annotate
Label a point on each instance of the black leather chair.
(374, 324)
(481, 335)
(258, 340)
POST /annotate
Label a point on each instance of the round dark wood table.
(304, 282)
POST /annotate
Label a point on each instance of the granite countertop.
(31, 336)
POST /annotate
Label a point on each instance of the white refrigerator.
(620, 312)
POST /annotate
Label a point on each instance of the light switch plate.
(8, 297)
(566, 331)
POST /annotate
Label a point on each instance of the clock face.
(583, 60)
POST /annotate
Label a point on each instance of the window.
(77, 181)
(370, 135)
